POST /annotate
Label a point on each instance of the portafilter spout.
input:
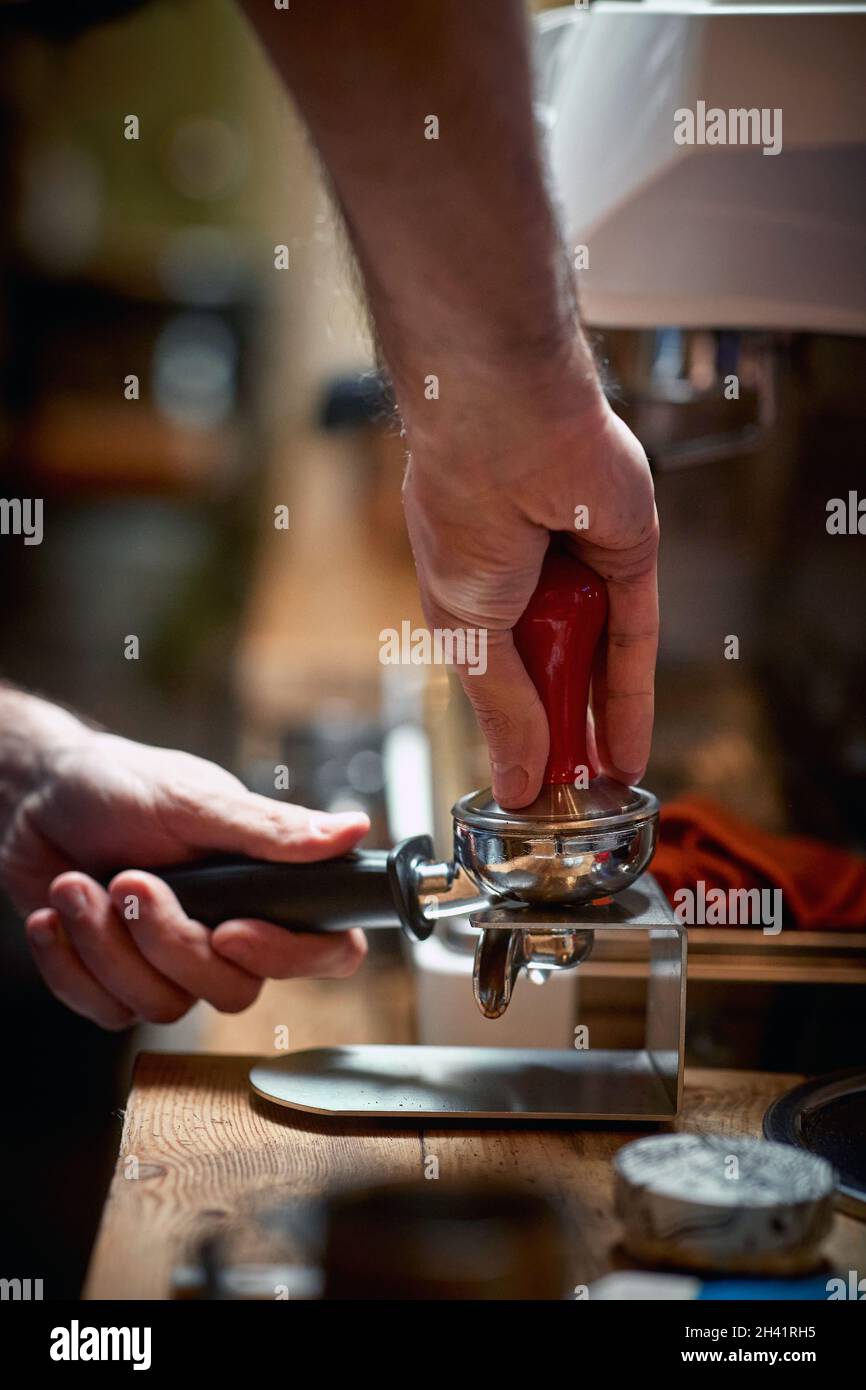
(502, 953)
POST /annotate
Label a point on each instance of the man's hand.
(423, 116)
(480, 520)
(99, 801)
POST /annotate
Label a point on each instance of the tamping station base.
(467, 1083)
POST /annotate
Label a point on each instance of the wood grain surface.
(204, 1147)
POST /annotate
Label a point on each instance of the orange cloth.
(821, 886)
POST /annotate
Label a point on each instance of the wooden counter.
(204, 1147)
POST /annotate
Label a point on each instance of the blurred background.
(153, 258)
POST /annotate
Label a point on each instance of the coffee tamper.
(538, 884)
(584, 837)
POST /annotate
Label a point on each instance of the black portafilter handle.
(367, 888)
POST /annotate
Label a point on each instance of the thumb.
(248, 823)
(512, 719)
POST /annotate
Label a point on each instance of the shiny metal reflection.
(570, 846)
(501, 953)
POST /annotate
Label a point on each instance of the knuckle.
(271, 815)
(184, 798)
(494, 723)
(180, 802)
(627, 640)
(631, 566)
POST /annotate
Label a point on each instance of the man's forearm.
(465, 273)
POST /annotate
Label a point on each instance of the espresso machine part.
(584, 838)
(504, 950)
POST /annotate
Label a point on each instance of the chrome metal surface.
(570, 846)
(435, 878)
(533, 938)
(466, 1083)
(642, 906)
(560, 807)
(502, 953)
(666, 1007)
(414, 1082)
(461, 896)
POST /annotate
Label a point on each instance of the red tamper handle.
(556, 637)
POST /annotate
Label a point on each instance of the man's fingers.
(623, 684)
(260, 826)
(177, 947)
(67, 978)
(272, 953)
(512, 719)
(100, 936)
